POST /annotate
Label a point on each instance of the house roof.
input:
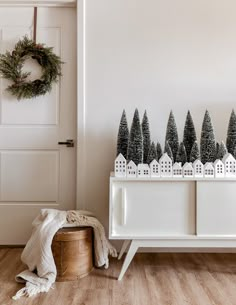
(120, 157)
(177, 165)
(218, 161)
(131, 163)
(187, 165)
(208, 165)
(228, 157)
(165, 157)
(154, 162)
(143, 166)
(197, 162)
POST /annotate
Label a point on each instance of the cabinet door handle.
(123, 206)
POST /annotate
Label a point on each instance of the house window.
(188, 172)
(209, 172)
(177, 172)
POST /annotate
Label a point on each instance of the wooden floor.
(152, 279)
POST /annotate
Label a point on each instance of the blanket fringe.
(30, 290)
(19, 294)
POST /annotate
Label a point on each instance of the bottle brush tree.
(152, 154)
(195, 154)
(159, 150)
(189, 135)
(169, 151)
(217, 148)
(135, 143)
(146, 137)
(221, 151)
(231, 134)
(181, 154)
(123, 136)
(172, 135)
(208, 143)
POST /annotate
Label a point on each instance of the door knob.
(68, 143)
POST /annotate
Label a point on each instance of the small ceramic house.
(209, 170)
(166, 165)
(143, 171)
(230, 165)
(120, 166)
(188, 170)
(155, 168)
(219, 168)
(177, 170)
(131, 170)
(198, 168)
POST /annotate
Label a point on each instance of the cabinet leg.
(123, 248)
(129, 256)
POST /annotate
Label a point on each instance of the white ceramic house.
(131, 170)
(219, 168)
(188, 170)
(230, 165)
(198, 168)
(209, 170)
(166, 165)
(177, 170)
(120, 166)
(155, 168)
(143, 171)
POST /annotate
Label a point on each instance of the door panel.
(216, 208)
(36, 172)
(40, 171)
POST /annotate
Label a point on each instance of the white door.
(36, 172)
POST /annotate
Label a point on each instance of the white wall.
(155, 55)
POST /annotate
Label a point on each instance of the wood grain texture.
(72, 250)
(152, 279)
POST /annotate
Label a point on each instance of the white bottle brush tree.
(135, 143)
(123, 136)
(172, 135)
(208, 143)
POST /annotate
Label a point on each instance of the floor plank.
(152, 279)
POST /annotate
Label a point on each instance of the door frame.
(81, 105)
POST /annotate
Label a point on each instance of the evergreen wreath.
(11, 64)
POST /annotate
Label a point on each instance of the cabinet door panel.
(216, 208)
(152, 208)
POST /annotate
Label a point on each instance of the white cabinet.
(172, 212)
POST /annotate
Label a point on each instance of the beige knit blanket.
(37, 254)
